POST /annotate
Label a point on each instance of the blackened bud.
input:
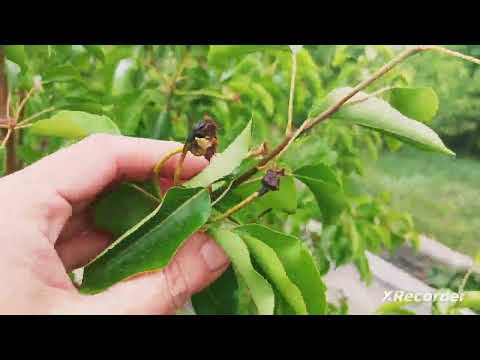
(271, 181)
(203, 140)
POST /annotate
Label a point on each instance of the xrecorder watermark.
(401, 295)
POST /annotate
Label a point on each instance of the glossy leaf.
(416, 103)
(151, 244)
(221, 55)
(326, 187)
(220, 298)
(259, 288)
(297, 261)
(121, 208)
(223, 164)
(74, 125)
(377, 114)
(16, 54)
(272, 266)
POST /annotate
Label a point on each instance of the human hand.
(46, 231)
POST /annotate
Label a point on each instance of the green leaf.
(220, 298)
(416, 103)
(259, 288)
(221, 55)
(121, 208)
(74, 125)
(271, 265)
(223, 164)
(16, 54)
(297, 261)
(152, 243)
(326, 187)
(96, 51)
(128, 111)
(379, 115)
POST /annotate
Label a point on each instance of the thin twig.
(292, 94)
(24, 102)
(178, 168)
(237, 207)
(145, 192)
(217, 200)
(373, 94)
(34, 116)
(7, 137)
(23, 126)
(452, 53)
(163, 160)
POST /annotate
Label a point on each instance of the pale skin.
(46, 231)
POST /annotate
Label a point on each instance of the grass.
(442, 193)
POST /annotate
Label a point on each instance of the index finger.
(81, 171)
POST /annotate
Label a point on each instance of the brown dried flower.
(271, 181)
(203, 140)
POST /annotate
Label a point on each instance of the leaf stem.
(7, 137)
(292, 94)
(237, 207)
(165, 158)
(145, 192)
(465, 278)
(217, 200)
(23, 102)
(34, 116)
(178, 168)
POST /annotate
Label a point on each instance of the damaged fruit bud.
(203, 139)
(271, 181)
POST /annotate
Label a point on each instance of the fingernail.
(214, 256)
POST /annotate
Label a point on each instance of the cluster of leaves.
(161, 91)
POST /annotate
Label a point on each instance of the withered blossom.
(271, 181)
(203, 140)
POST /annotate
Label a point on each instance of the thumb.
(199, 262)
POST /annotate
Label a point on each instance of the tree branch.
(310, 123)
